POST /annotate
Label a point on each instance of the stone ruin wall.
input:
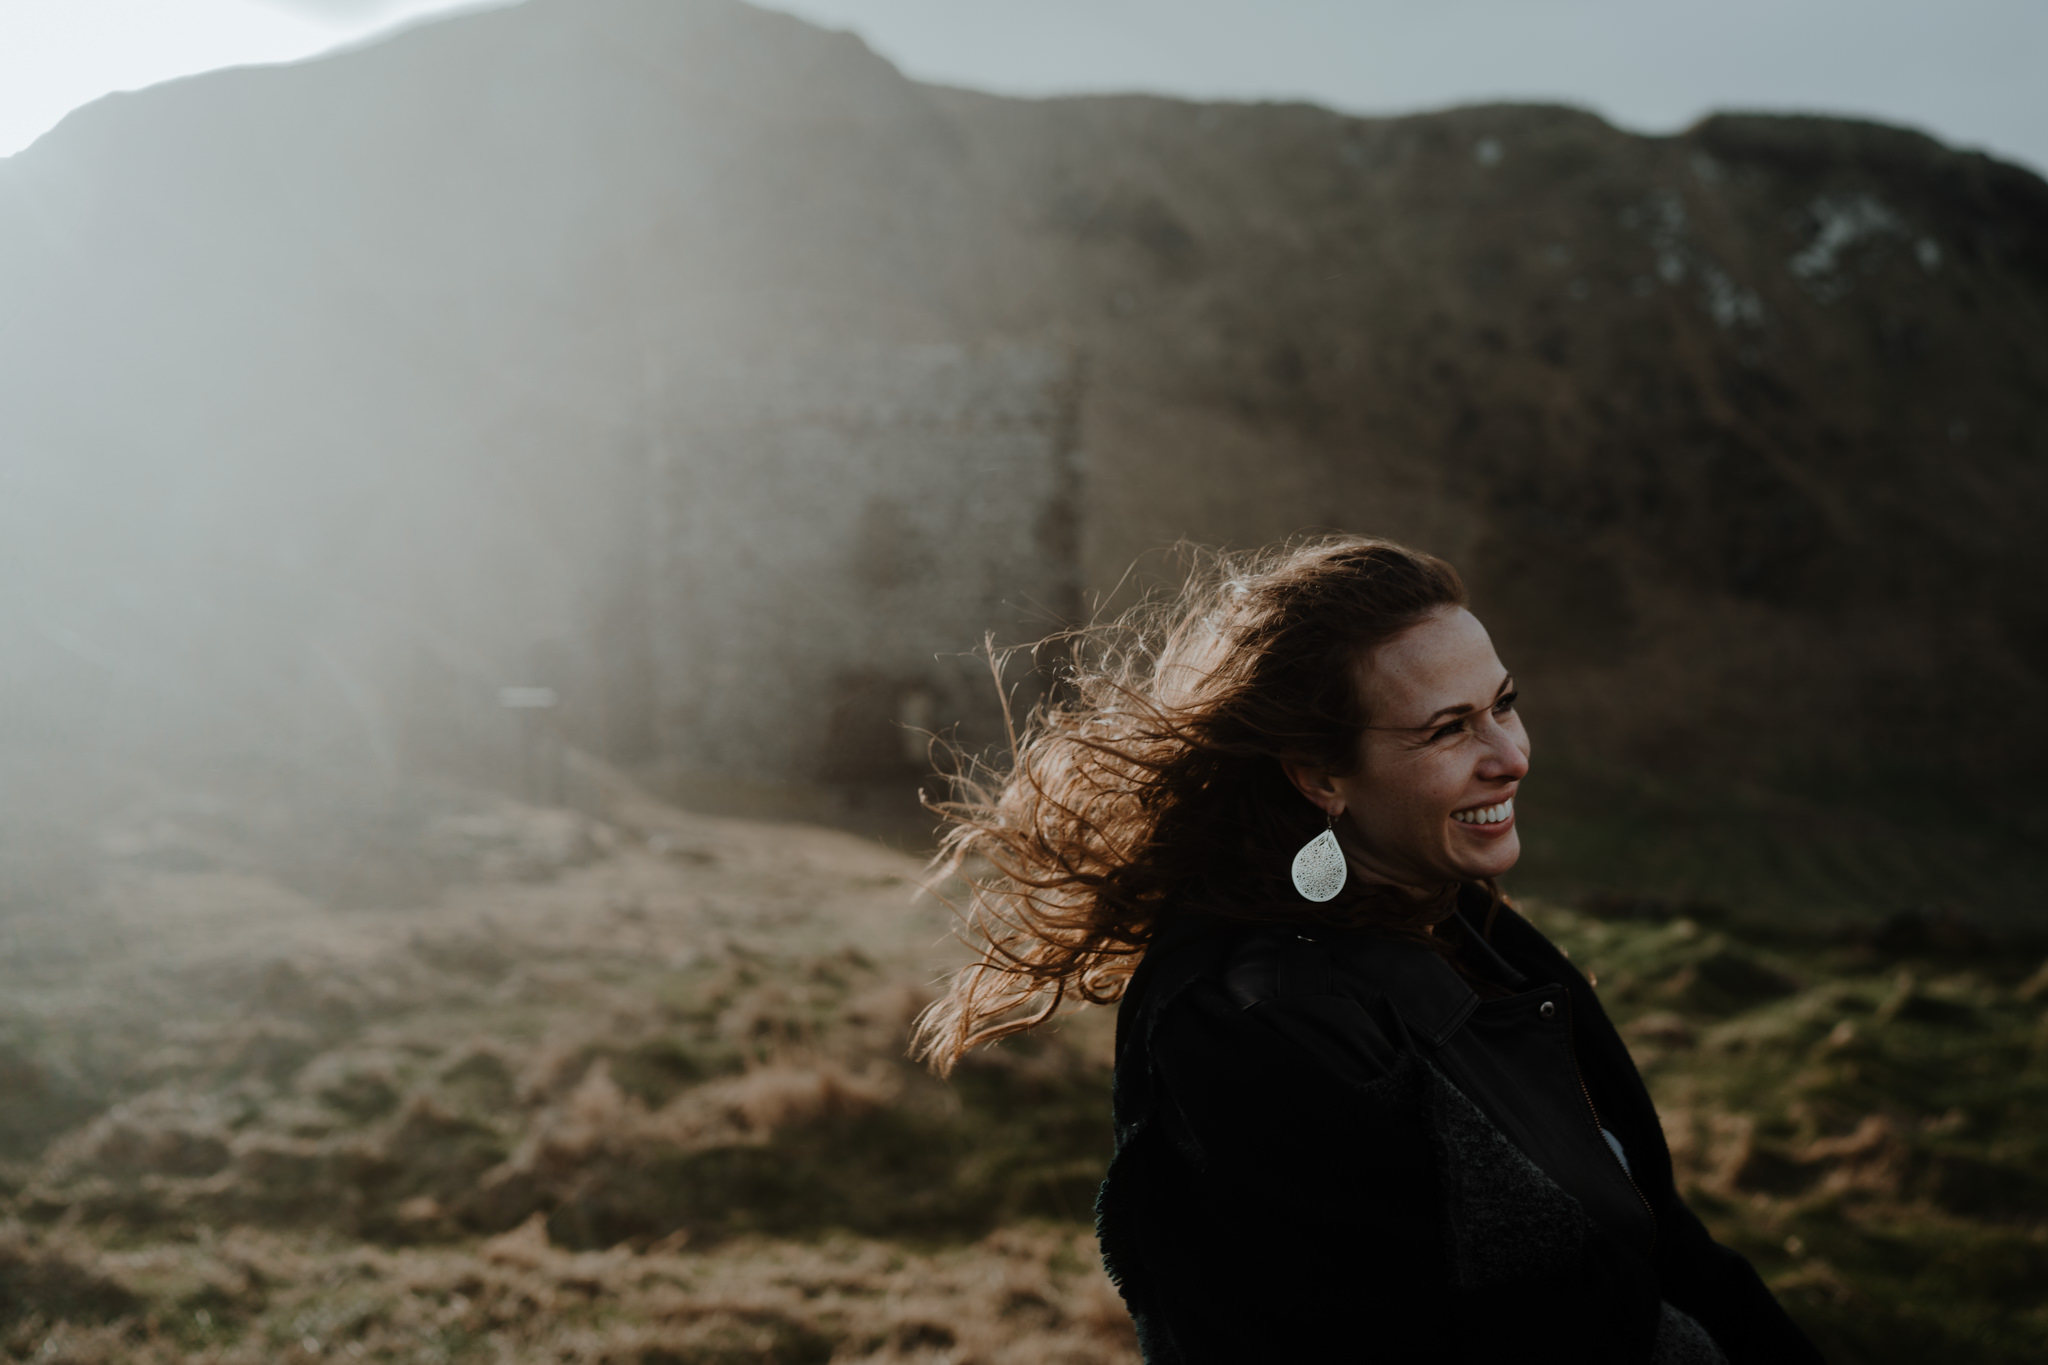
(780, 573)
(830, 537)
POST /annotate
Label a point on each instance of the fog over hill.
(688, 364)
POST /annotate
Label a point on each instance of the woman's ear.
(1316, 784)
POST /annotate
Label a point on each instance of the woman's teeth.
(1486, 815)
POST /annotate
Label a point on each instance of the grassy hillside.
(631, 1090)
(1895, 854)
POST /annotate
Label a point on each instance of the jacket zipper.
(1600, 1130)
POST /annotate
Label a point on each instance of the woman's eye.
(1504, 707)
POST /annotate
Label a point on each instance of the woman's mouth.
(1491, 817)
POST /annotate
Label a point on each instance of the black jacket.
(1329, 1148)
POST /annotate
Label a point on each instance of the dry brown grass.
(1020, 1296)
(630, 1090)
(652, 1107)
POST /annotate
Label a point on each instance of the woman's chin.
(1493, 860)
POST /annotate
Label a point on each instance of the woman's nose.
(1505, 757)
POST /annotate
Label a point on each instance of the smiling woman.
(1363, 1109)
(1430, 795)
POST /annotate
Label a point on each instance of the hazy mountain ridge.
(1738, 434)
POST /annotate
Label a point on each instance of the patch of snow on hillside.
(1842, 223)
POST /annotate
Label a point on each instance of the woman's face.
(1432, 798)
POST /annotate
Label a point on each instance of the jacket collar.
(1425, 989)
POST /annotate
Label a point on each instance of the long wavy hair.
(1151, 784)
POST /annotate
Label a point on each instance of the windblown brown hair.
(1153, 784)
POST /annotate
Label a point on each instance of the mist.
(503, 526)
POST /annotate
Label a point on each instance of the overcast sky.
(1969, 71)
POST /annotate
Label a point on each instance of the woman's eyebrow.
(1507, 682)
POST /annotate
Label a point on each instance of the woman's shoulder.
(1242, 963)
(1270, 991)
(1212, 973)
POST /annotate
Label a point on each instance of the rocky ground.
(629, 1088)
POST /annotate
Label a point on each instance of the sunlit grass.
(604, 1118)
(1869, 1130)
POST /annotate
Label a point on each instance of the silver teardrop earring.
(1319, 869)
